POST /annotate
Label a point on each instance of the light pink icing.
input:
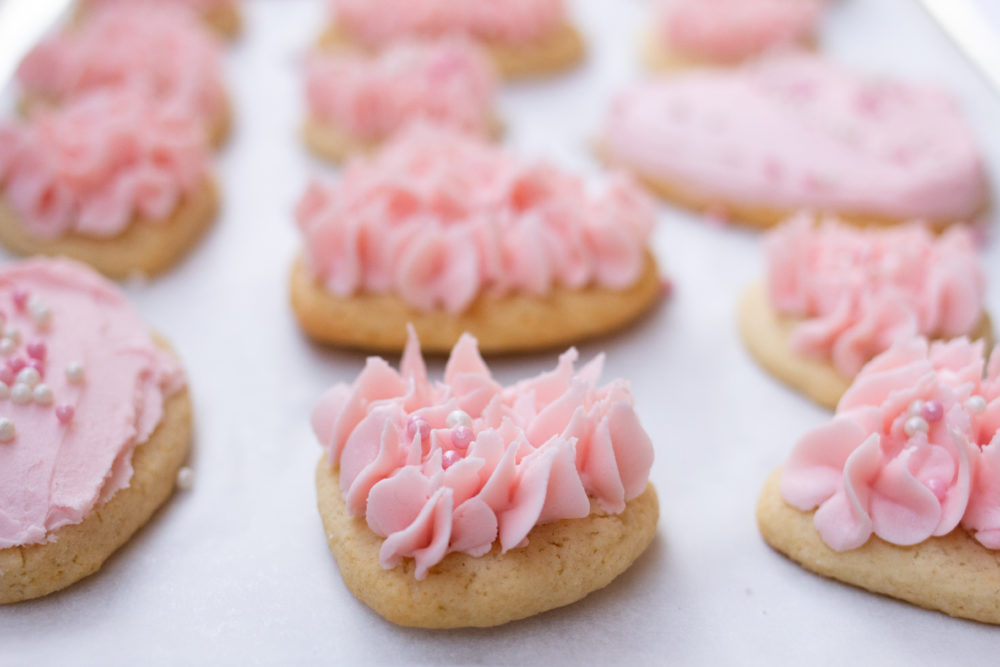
(858, 290)
(89, 167)
(448, 82)
(376, 22)
(164, 54)
(732, 30)
(799, 132)
(52, 473)
(438, 217)
(540, 449)
(867, 475)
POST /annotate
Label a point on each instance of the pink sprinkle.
(933, 411)
(38, 365)
(938, 488)
(37, 350)
(64, 413)
(20, 297)
(17, 363)
(419, 425)
(7, 376)
(461, 436)
(450, 458)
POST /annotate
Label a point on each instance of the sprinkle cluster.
(462, 435)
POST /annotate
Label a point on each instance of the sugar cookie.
(222, 16)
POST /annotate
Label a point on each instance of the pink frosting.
(164, 54)
(732, 30)
(448, 82)
(376, 22)
(799, 132)
(55, 471)
(858, 290)
(538, 451)
(912, 452)
(438, 217)
(91, 166)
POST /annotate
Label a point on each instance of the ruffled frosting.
(798, 132)
(91, 166)
(438, 217)
(538, 451)
(449, 82)
(912, 453)
(376, 22)
(732, 30)
(163, 54)
(72, 450)
(858, 290)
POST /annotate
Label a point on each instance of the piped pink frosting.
(377, 22)
(162, 53)
(858, 290)
(438, 217)
(875, 469)
(539, 450)
(726, 31)
(53, 473)
(90, 167)
(448, 81)
(798, 132)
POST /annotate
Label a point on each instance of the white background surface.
(236, 571)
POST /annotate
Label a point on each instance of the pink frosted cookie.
(900, 492)
(357, 101)
(160, 52)
(725, 32)
(112, 179)
(765, 140)
(94, 425)
(524, 37)
(223, 16)
(455, 235)
(464, 503)
(836, 295)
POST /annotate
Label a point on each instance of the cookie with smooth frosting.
(464, 503)
(112, 179)
(454, 235)
(95, 422)
(223, 16)
(523, 37)
(900, 492)
(758, 143)
(835, 296)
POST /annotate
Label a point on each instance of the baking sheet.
(236, 570)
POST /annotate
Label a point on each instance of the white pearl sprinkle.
(4, 391)
(42, 316)
(75, 372)
(976, 404)
(7, 430)
(29, 376)
(916, 408)
(458, 418)
(915, 424)
(185, 478)
(21, 394)
(13, 335)
(7, 346)
(43, 394)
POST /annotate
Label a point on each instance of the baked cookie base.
(659, 57)
(766, 335)
(78, 550)
(953, 573)
(511, 323)
(225, 20)
(559, 50)
(562, 562)
(145, 247)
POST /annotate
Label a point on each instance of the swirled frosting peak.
(912, 452)
(455, 465)
(438, 217)
(376, 22)
(82, 384)
(90, 167)
(857, 290)
(448, 81)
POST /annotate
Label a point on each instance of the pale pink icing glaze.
(164, 54)
(867, 475)
(438, 217)
(859, 290)
(448, 81)
(90, 167)
(799, 132)
(54, 474)
(539, 450)
(376, 22)
(726, 31)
